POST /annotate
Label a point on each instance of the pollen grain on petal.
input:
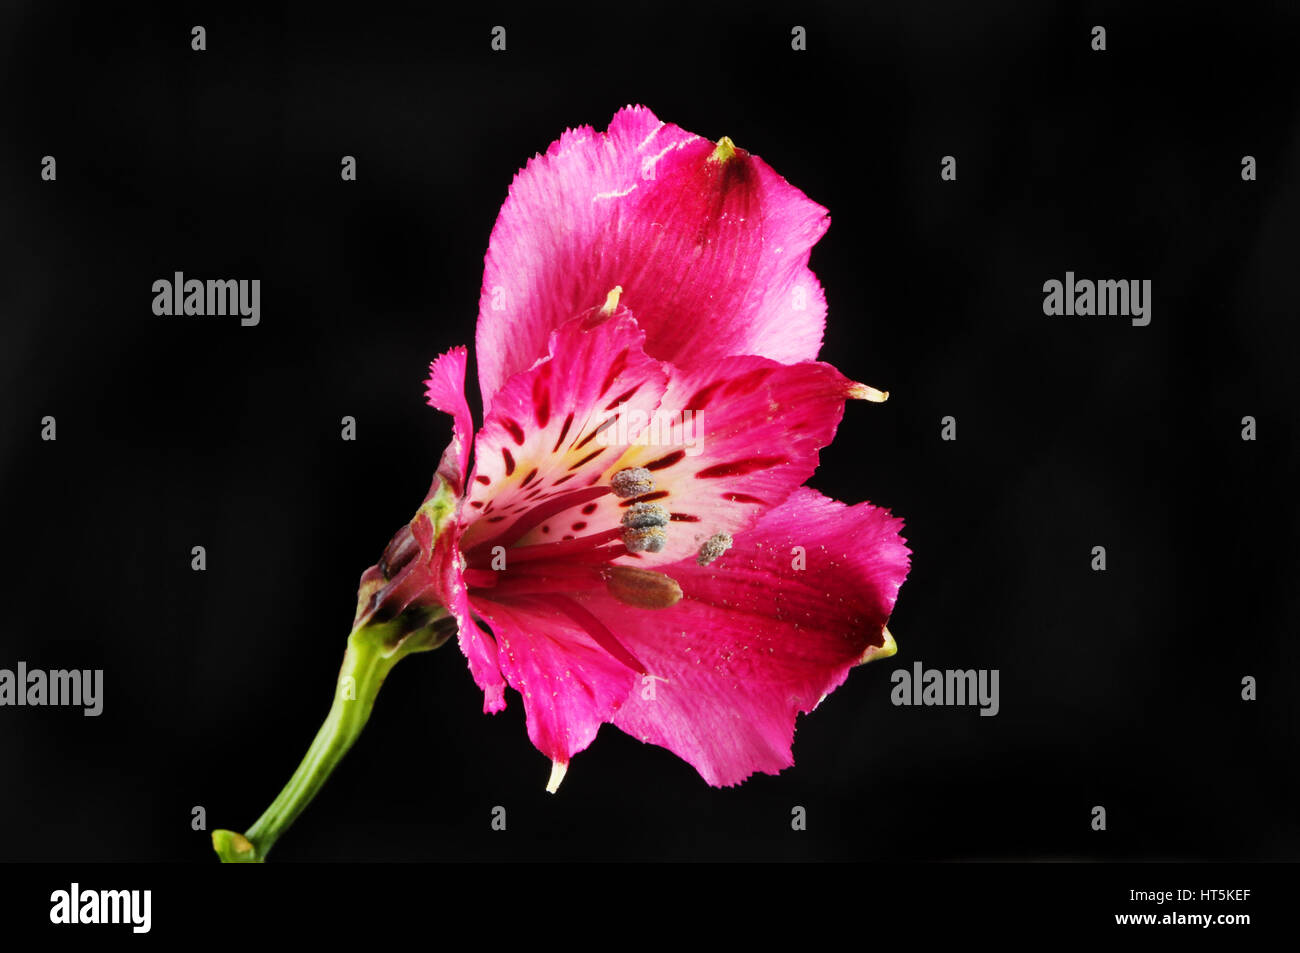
(713, 547)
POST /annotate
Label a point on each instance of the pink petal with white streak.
(544, 439)
(751, 437)
(712, 256)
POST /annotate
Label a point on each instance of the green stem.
(372, 652)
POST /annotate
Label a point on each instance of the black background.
(1119, 688)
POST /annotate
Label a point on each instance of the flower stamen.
(651, 539)
(642, 588)
(644, 528)
(644, 515)
(634, 481)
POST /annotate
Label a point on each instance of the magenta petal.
(755, 640)
(439, 572)
(751, 437)
(445, 391)
(544, 441)
(536, 453)
(711, 252)
(479, 648)
(570, 685)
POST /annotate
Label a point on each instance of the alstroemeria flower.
(634, 544)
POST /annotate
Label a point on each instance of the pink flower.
(634, 536)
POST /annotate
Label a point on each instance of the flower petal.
(728, 442)
(442, 558)
(437, 574)
(570, 685)
(539, 451)
(709, 245)
(445, 391)
(754, 641)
